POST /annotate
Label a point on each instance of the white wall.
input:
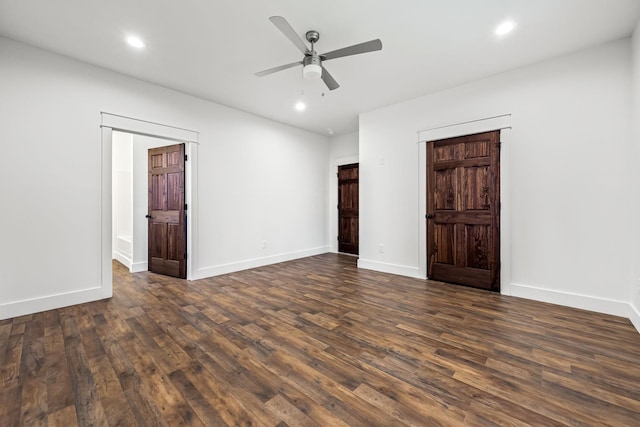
(343, 150)
(635, 179)
(258, 180)
(122, 198)
(569, 181)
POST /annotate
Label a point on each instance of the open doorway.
(163, 135)
(131, 202)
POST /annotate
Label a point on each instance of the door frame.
(333, 198)
(111, 122)
(450, 130)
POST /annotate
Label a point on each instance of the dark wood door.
(463, 210)
(166, 215)
(348, 222)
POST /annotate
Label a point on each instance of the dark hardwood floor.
(316, 342)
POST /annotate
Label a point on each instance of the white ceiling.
(212, 48)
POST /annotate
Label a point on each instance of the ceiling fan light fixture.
(312, 72)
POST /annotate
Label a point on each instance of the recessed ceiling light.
(505, 28)
(135, 42)
(300, 106)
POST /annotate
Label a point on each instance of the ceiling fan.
(312, 61)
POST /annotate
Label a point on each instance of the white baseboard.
(634, 315)
(568, 299)
(122, 258)
(401, 270)
(50, 302)
(203, 273)
(137, 267)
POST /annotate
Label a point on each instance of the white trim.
(333, 198)
(106, 221)
(127, 124)
(147, 128)
(52, 302)
(384, 267)
(634, 315)
(505, 211)
(122, 258)
(137, 267)
(203, 273)
(502, 123)
(422, 210)
(468, 127)
(190, 198)
(570, 299)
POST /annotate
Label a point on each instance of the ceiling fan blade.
(328, 79)
(356, 49)
(288, 31)
(276, 69)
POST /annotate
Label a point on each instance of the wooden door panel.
(446, 152)
(174, 251)
(156, 160)
(444, 237)
(476, 241)
(156, 195)
(167, 225)
(474, 149)
(463, 210)
(157, 235)
(476, 188)
(348, 211)
(445, 194)
(462, 276)
(175, 158)
(175, 192)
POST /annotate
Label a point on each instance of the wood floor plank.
(34, 386)
(59, 387)
(112, 397)
(199, 403)
(10, 405)
(10, 369)
(65, 417)
(88, 406)
(316, 342)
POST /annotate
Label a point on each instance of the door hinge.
(186, 206)
(185, 255)
(186, 157)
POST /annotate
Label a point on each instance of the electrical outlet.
(264, 244)
(381, 248)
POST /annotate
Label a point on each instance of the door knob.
(148, 216)
(428, 216)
